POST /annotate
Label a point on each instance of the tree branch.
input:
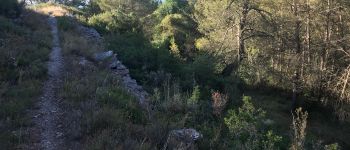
(258, 34)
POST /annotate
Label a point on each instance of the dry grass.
(57, 10)
(76, 44)
(53, 10)
(100, 113)
(320, 126)
(24, 50)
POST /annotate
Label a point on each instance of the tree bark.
(241, 54)
(298, 50)
(306, 52)
(240, 32)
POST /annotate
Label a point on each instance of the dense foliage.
(225, 48)
(10, 8)
(238, 71)
(24, 50)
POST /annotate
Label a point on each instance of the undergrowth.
(108, 112)
(24, 49)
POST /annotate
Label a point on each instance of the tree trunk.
(325, 52)
(308, 31)
(327, 36)
(240, 32)
(306, 52)
(296, 76)
(241, 54)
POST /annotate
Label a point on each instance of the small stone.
(123, 72)
(59, 134)
(113, 65)
(104, 55)
(121, 67)
(82, 61)
(187, 134)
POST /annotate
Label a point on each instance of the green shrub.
(193, 100)
(203, 68)
(107, 118)
(24, 51)
(113, 21)
(245, 126)
(10, 8)
(334, 146)
(176, 32)
(65, 23)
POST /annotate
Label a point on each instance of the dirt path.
(48, 115)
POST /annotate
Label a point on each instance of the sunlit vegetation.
(24, 48)
(247, 74)
(268, 49)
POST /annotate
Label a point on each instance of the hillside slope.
(148, 75)
(25, 45)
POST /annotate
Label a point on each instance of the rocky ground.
(55, 125)
(47, 132)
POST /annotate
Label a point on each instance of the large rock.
(113, 65)
(121, 67)
(28, 2)
(122, 73)
(183, 139)
(129, 84)
(83, 61)
(90, 33)
(103, 56)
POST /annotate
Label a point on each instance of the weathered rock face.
(104, 55)
(188, 135)
(183, 139)
(33, 2)
(129, 83)
(90, 33)
(28, 2)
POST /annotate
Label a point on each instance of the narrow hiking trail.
(58, 126)
(47, 117)
(49, 131)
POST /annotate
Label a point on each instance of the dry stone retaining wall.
(177, 139)
(129, 83)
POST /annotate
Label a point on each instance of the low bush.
(10, 8)
(65, 23)
(108, 112)
(119, 99)
(133, 46)
(24, 51)
(113, 21)
(247, 128)
(76, 44)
